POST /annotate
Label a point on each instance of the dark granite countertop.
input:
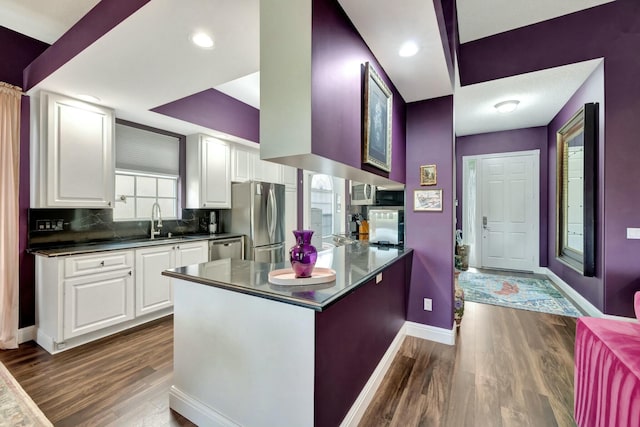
(354, 264)
(125, 244)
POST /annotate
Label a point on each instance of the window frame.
(157, 176)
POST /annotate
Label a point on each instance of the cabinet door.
(242, 164)
(80, 169)
(153, 290)
(192, 253)
(97, 301)
(290, 176)
(215, 174)
(268, 171)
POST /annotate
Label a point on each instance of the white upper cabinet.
(268, 171)
(290, 176)
(247, 166)
(208, 172)
(243, 160)
(76, 153)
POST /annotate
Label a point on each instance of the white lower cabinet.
(153, 290)
(96, 301)
(82, 295)
(80, 298)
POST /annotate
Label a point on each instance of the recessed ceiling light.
(408, 48)
(507, 106)
(88, 98)
(202, 40)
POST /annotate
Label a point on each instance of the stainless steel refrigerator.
(257, 211)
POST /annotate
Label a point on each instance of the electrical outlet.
(378, 277)
(428, 304)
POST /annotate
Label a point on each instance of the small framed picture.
(428, 175)
(427, 200)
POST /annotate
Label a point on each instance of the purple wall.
(100, 20)
(611, 31)
(347, 357)
(338, 55)
(589, 287)
(18, 52)
(216, 110)
(430, 140)
(27, 304)
(506, 142)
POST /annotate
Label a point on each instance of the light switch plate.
(378, 277)
(428, 304)
(633, 233)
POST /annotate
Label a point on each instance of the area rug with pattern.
(16, 407)
(526, 293)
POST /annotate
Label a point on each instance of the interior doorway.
(501, 210)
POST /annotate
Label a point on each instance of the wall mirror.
(576, 188)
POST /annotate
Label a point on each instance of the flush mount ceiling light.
(408, 48)
(202, 40)
(507, 106)
(88, 98)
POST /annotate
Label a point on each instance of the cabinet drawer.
(97, 263)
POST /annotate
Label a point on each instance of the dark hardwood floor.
(508, 368)
(122, 380)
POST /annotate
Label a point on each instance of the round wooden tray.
(286, 276)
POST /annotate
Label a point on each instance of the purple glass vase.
(303, 254)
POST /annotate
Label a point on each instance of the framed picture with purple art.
(377, 114)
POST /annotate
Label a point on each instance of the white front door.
(509, 214)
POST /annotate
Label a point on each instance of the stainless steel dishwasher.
(232, 247)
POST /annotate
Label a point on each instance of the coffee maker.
(213, 223)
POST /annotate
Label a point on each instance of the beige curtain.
(10, 97)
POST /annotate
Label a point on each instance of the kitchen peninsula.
(248, 352)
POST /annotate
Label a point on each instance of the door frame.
(475, 240)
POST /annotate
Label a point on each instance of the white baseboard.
(365, 397)
(52, 346)
(431, 333)
(27, 334)
(582, 302)
(196, 411)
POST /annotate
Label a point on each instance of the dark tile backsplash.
(72, 226)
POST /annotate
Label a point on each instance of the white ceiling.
(478, 19)
(134, 70)
(474, 104)
(385, 27)
(44, 20)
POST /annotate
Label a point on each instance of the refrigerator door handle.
(272, 212)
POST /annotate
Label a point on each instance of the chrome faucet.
(155, 232)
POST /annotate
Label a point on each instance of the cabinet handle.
(173, 248)
(102, 263)
(109, 203)
(129, 272)
(204, 205)
(177, 247)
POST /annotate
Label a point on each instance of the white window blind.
(142, 150)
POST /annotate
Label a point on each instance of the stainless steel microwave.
(362, 194)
